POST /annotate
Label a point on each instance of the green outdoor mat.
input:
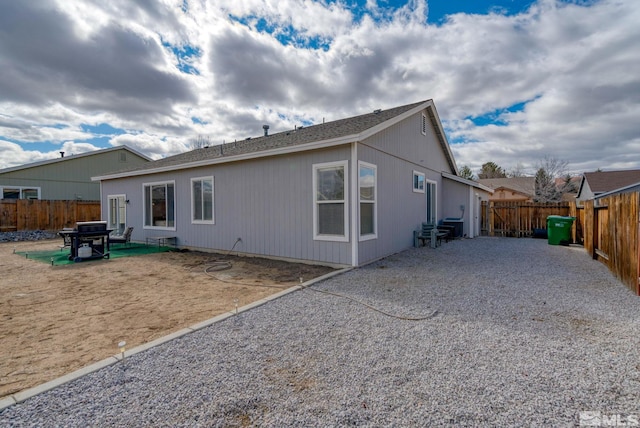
(61, 257)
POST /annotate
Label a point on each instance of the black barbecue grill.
(88, 240)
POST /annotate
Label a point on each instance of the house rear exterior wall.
(400, 210)
(406, 141)
(269, 202)
(456, 194)
(397, 152)
(70, 178)
(271, 223)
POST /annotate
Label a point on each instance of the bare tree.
(516, 171)
(549, 168)
(199, 142)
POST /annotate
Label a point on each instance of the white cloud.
(154, 146)
(105, 62)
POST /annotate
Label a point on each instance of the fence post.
(491, 218)
(595, 232)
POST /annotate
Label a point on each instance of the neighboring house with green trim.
(345, 192)
(67, 177)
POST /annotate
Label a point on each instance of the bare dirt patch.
(57, 319)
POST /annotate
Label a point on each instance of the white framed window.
(330, 211)
(368, 196)
(202, 200)
(19, 192)
(431, 191)
(159, 205)
(117, 215)
(418, 182)
(423, 127)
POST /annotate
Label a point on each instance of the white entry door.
(117, 213)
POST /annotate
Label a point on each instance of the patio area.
(61, 256)
(512, 332)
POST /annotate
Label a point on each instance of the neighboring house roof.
(624, 189)
(323, 135)
(523, 185)
(471, 183)
(607, 181)
(70, 157)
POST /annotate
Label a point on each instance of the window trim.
(373, 235)
(316, 167)
(413, 181)
(120, 196)
(20, 189)
(144, 205)
(213, 204)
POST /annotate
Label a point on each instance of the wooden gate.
(519, 219)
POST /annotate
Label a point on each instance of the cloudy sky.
(513, 80)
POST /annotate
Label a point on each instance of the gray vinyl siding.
(397, 152)
(70, 178)
(267, 202)
(406, 141)
(399, 209)
(456, 194)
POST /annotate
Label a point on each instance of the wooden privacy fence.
(612, 235)
(30, 214)
(519, 219)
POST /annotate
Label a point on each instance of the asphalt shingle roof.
(606, 181)
(302, 135)
(525, 185)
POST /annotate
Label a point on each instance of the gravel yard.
(516, 333)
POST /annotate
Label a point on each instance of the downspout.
(471, 213)
(101, 201)
(355, 229)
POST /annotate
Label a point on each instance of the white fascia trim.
(354, 138)
(438, 124)
(228, 159)
(467, 182)
(371, 131)
(355, 206)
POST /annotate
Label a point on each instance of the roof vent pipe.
(266, 130)
(61, 154)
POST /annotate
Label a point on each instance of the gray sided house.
(345, 192)
(597, 183)
(67, 177)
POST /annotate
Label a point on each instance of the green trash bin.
(559, 229)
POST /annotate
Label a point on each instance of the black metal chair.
(125, 238)
(66, 238)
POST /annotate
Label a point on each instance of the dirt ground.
(57, 319)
